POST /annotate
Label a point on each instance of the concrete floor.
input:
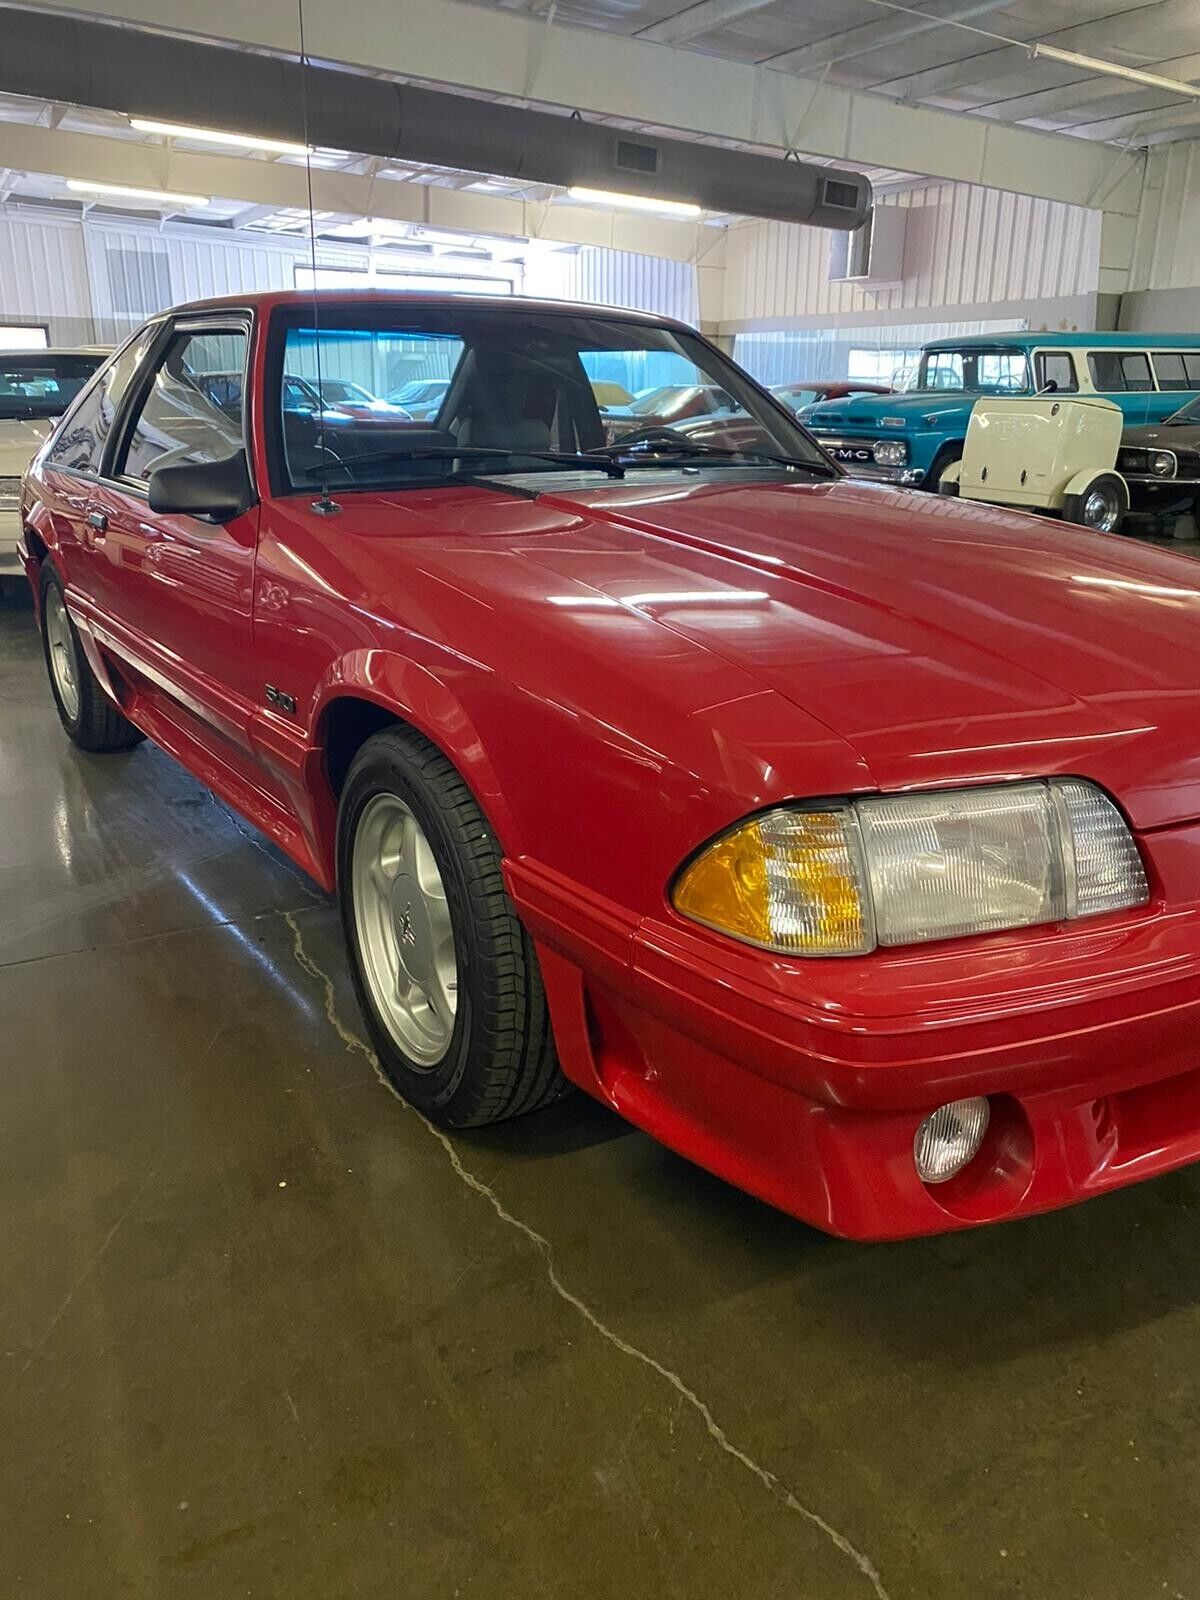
(263, 1334)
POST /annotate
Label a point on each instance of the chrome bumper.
(855, 457)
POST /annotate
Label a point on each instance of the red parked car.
(799, 396)
(846, 840)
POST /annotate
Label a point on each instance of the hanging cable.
(324, 504)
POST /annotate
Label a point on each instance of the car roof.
(270, 300)
(1083, 339)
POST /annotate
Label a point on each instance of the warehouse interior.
(269, 1330)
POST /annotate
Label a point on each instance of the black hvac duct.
(155, 75)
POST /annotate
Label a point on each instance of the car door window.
(192, 410)
(1117, 371)
(1177, 369)
(1056, 367)
(79, 444)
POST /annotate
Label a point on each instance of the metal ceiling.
(939, 53)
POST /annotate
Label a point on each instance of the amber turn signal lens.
(791, 881)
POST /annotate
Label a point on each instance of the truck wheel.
(91, 719)
(1101, 505)
(946, 457)
(445, 974)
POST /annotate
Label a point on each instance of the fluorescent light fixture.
(156, 197)
(240, 141)
(633, 202)
(1114, 69)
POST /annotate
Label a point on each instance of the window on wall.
(1115, 371)
(192, 412)
(20, 336)
(880, 366)
(373, 278)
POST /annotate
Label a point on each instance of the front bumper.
(805, 1082)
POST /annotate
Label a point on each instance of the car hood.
(919, 409)
(944, 643)
(20, 438)
(1183, 436)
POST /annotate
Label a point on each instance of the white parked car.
(36, 387)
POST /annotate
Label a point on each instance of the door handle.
(98, 520)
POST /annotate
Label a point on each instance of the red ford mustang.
(845, 839)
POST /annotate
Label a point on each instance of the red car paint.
(611, 717)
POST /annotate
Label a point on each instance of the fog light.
(949, 1138)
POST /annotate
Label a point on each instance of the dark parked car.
(1161, 464)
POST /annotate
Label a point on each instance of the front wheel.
(1101, 505)
(89, 716)
(446, 977)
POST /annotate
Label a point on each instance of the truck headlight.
(890, 452)
(1162, 463)
(903, 869)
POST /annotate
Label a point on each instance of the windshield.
(1188, 413)
(973, 370)
(41, 384)
(514, 387)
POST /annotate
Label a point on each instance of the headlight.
(903, 869)
(1162, 463)
(890, 452)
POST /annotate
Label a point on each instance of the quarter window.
(1177, 369)
(1056, 367)
(80, 441)
(192, 412)
(1115, 371)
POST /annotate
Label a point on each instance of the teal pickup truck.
(912, 437)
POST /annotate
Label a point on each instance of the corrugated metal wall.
(964, 246)
(1167, 247)
(94, 281)
(641, 283)
(43, 273)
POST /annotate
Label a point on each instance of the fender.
(412, 694)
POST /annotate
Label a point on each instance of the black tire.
(500, 1060)
(1102, 506)
(946, 457)
(95, 723)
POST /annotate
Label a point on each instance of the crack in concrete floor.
(716, 1432)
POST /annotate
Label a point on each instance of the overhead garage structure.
(600, 758)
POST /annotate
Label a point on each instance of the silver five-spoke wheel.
(61, 652)
(405, 933)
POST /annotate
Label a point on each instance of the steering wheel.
(657, 433)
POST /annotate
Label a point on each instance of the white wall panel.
(641, 283)
(964, 246)
(1167, 247)
(43, 270)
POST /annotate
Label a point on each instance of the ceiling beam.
(1082, 92)
(706, 17)
(275, 186)
(882, 31)
(1145, 127)
(488, 49)
(1140, 19)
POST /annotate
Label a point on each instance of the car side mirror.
(216, 490)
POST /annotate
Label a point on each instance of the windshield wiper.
(564, 458)
(686, 454)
